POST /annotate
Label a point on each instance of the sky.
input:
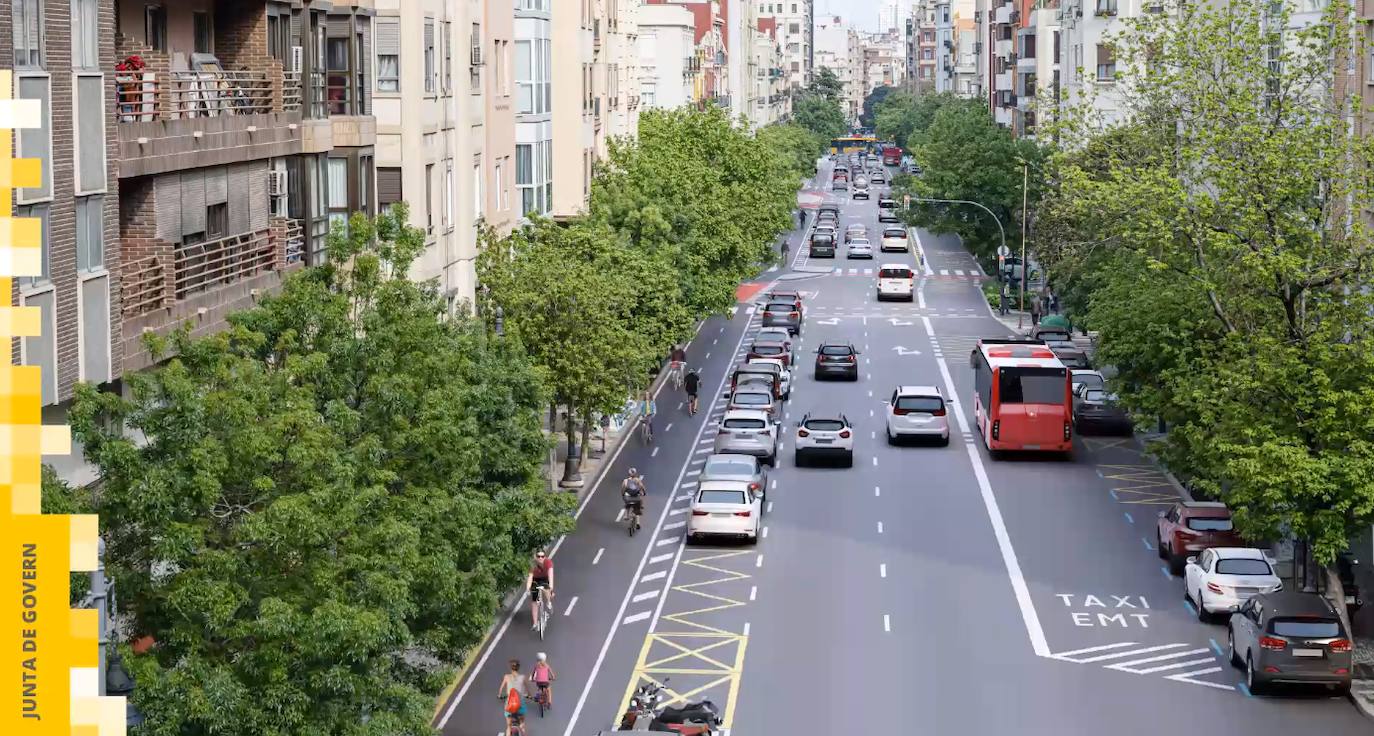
(863, 14)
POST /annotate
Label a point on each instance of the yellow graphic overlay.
(49, 676)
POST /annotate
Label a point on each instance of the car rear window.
(920, 403)
(753, 399)
(767, 349)
(717, 466)
(1243, 567)
(1094, 394)
(836, 350)
(708, 496)
(1308, 628)
(894, 273)
(825, 425)
(1208, 524)
(1089, 380)
(744, 423)
(894, 232)
(782, 306)
(1055, 336)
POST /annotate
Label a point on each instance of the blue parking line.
(1114, 496)
(1168, 575)
(1241, 687)
(1189, 605)
(1129, 518)
(1216, 647)
(1147, 544)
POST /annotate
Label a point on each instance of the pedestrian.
(1004, 298)
(1036, 308)
(1054, 302)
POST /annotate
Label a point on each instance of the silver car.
(745, 468)
(748, 432)
(782, 314)
(859, 248)
(754, 398)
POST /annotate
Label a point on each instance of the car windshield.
(894, 273)
(1206, 524)
(718, 466)
(894, 232)
(926, 404)
(1031, 385)
(732, 497)
(1243, 567)
(744, 423)
(835, 350)
(1307, 628)
(824, 425)
(753, 399)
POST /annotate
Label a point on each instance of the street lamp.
(998, 222)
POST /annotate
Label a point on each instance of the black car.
(822, 246)
(1096, 409)
(837, 360)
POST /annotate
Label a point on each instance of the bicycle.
(542, 604)
(633, 511)
(646, 429)
(675, 372)
(541, 696)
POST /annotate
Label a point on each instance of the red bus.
(1022, 397)
(892, 156)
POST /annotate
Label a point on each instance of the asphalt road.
(929, 587)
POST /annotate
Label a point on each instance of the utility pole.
(1025, 267)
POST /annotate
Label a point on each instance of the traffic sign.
(1003, 251)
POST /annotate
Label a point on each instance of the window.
(155, 27)
(502, 83)
(1307, 628)
(477, 207)
(429, 198)
(388, 55)
(365, 169)
(1106, 63)
(90, 133)
(475, 62)
(524, 77)
(500, 189)
(85, 35)
(524, 176)
(388, 187)
(37, 142)
(448, 194)
(1106, 7)
(217, 221)
(1032, 385)
(279, 36)
(429, 55)
(41, 350)
(39, 212)
(446, 42)
(90, 234)
(204, 33)
(336, 73)
(28, 34)
(1242, 566)
(337, 188)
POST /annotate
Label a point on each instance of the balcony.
(201, 283)
(1025, 64)
(1003, 48)
(1002, 82)
(1002, 16)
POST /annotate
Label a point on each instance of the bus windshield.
(1031, 385)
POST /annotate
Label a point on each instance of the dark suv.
(837, 359)
(1290, 638)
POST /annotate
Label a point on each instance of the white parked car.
(894, 239)
(1220, 579)
(725, 508)
(917, 411)
(859, 248)
(786, 373)
(896, 281)
(824, 435)
(748, 432)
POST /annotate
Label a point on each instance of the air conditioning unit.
(476, 56)
(297, 59)
(276, 183)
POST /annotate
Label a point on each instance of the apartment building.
(945, 47)
(997, 24)
(62, 54)
(501, 208)
(741, 19)
(967, 48)
(884, 60)
(771, 103)
(1037, 66)
(534, 100)
(622, 70)
(576, 33)
(837, 46)
(430, 109)
(796, 24)
(927, 46)
(667, 56)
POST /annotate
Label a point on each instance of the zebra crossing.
(1180, 662)
(943, 273)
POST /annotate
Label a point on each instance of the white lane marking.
(958, 272)
(568, 611)
(618, 516)
(877, 491)
(668, 428)
(870, 412)
(675, 525)
(654, 576)
(1067, 655)
(629, 590)
(634, 618)
(875, 461)
(770, 507)
(654, 453)
(765, 532)
(753, 592)
(602, 550)
(880, 527)
(691, 473)
(887, 622)
(715, 340)
(1188, 678)
(772, 483)
(708, 355)
(872, 435)
(759, 561)
(746, 629)
(882, 570)
(683, 497)
(675, 512)
(943, 272)
(666, 540)
(645, 596)
(1029, 617)
(660, 558)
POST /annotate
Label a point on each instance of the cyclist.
(633, 490)
(647, 409)
(692, 383)
(514, 688)
(543, 676)
(540, 584)
(676, 359)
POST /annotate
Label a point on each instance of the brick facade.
(241, 43)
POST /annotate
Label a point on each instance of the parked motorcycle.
(643, 714)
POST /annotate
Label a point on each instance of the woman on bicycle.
(540, 584)
(647, 409)
(676, 360)
(543, 676)
(514, 688)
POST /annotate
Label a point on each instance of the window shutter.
(389, 37)
(237, 178)
(255, 183)
(167, 193)
(192, 202)
(388, 186)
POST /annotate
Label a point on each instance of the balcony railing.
(142, 286)
(291, 91)
(204, 266)
(294, 234)
(147, 96)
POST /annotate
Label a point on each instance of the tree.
(701, 195)
(796, 147)
(872, 102)
(326, 504)
(820, 115)
(826, 84)
(1230, 201)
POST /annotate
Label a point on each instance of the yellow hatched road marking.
(699, 653)
(1142, 482)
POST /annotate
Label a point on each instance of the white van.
(896, 281)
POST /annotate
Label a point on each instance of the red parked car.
(775, 349)
(1192, 526)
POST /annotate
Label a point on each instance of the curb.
(1361, 704)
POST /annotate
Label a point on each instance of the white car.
(894, 239)
(824, 436)
(748, 432)
(786, 373)
(859, 248)
(896, 281)
(1085, 379)
(917, 411)
(1220, 579)
(725, 508)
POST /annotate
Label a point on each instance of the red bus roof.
(1026, 354)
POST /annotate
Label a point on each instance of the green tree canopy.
(874, 100)
(325, 504)
(820, 115)
(826, 84)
